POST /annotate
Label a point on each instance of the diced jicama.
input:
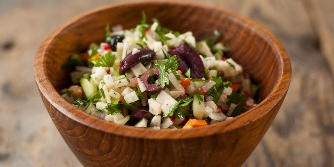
(106, 94)
(114, 117)
(208, 110)
(198, 106)
(125, 49)
(164, 97)
(138, 69)
(231, 109)
(207, 86)
(114, 94)
(131, 97)
(98, 74)
(123, 121)
(156, 121)
(227, 91)
(167, 123)
(176, 94)
(154, 107)
(191, 89)
(121, 81)
(142, 123)
(141, 85)
(175, 82)
(204, 48)
(126, 91)
(199, 84)
(101, 105)
(212, 105)
(218, 116)
(108, 81)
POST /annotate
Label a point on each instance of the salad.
(151, 76)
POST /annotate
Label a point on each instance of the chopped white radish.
(111, 71)
(101, 105)
(204, 48)
(154, 107)
(167, 123)
(156, 121)
(175, 82)
(108, 81)
(198, 106)
(222, 98)
(141, 85)
(98, 74)
(138, 69)
(114, 117)
(164, 98)
(135, 50)
(126, 91)
(114, 94)
(231, 109)
(199, 84)
(131, 97)
(208, 110)
(191, 89)
(176, 94)
(207, 86)
(142, 123)
(211, 104)
(250, 102)
(227, 91)
(123, 81)
(123, 121)
(106, 94)
(218, 116)
(154, 26)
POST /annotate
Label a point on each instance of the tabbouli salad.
(151, 76)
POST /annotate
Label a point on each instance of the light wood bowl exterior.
(97, 142)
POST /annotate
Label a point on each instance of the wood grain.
(99, 143)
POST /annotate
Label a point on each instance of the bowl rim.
(264, 107)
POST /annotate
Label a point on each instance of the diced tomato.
(195, 123)
(185, 82)
(147, 30)
(235, 87)
(106, 47)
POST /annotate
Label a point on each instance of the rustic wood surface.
(301, 135)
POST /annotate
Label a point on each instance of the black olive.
(113, 40)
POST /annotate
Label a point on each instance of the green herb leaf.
(75, 60)
(218, 88)
(143, 17)
(188, 73)
(231, 64)
(107, 60)
(94, 47)
(166, 67)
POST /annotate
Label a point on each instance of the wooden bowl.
(96, 142)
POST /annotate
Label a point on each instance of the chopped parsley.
(218, 88)
(107, 60)
(166, 67)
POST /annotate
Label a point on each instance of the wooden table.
(301, 135)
